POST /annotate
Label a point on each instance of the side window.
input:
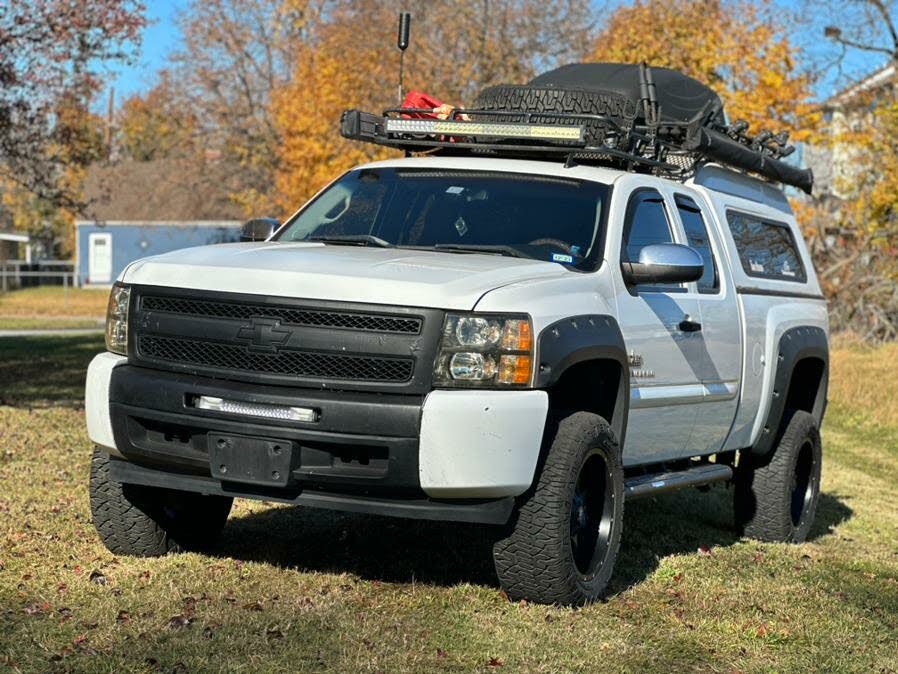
(697, 237)
(646, 223)
(766, 248)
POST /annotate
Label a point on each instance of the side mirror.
(258, 229)
(662, 263)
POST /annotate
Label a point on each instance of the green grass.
(54, 301)
(49, 323)
(292, 589)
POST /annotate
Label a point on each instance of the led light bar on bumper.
(442, 127)
(485, 351)
(117, 319)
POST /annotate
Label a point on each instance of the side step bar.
(657, 483)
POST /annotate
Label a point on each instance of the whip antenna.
(405, 20)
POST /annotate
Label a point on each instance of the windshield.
(539, 217)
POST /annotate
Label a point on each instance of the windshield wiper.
(352, 240)
(475, 248)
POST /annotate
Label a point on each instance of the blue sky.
(161, 37)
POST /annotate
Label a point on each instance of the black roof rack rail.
(668, 148)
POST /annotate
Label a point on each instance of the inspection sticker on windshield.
(455, 190)
(558, 257)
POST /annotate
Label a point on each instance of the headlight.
(485, 351)
(117, 319)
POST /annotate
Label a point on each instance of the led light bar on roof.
(496, 130)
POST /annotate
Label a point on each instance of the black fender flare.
(794, 345)
(577, 339)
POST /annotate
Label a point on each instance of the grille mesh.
(295, 316)
(289, 363)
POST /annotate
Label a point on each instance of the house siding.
(131, 241)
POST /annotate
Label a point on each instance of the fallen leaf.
(208, 632)
(704, 550)
(97, 578)
(441, 653)
(179, 622)
(254, 606)
(123, 617)
(495, 662)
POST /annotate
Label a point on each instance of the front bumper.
(396, 454)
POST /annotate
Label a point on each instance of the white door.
(99, 258)
(665, 351)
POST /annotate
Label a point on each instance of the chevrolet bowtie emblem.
(264, 335)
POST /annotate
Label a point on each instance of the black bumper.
(360, 455)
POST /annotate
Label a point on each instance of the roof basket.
(648, 141)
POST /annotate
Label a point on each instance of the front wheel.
(562, 542)
(149, 521)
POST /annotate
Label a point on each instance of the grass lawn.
(292, 589)
(52, 306)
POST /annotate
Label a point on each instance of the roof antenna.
(405, 20)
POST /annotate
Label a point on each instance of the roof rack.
(672, 149)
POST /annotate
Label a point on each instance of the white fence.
(17, 274)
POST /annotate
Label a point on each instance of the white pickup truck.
(494, 336)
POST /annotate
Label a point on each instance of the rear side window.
(766, 247)
(646, 224)
(697, 237)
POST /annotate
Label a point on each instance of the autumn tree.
(457, 49)
(235, 54)
(853, 226)
(50, 55)
(156, 124)
(740, 48)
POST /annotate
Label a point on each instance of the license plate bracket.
(261, 461)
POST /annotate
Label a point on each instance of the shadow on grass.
(442, 553)
(45, 371)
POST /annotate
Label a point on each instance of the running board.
(657, 483)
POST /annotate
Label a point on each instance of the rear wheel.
(149, 521)
(776, 495)
(562, 542)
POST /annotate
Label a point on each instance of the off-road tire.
(535, 557)
(550, 99)
(149, 521)
(776, 495)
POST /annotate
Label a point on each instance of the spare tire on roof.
(573, 100)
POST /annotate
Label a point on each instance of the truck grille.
(284, 341)
(292, 363)
(294, 316)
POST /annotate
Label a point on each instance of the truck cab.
(495, 339)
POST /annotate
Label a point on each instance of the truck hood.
(340, 273)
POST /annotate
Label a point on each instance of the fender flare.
(577, 339)
(794, 345)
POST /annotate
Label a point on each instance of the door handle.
(690, 326)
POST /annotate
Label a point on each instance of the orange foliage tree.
(349, 60)
(735, 46)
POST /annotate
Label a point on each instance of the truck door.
(665, 355)
(721, 366)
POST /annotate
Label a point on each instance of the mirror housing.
(258, 229)
(663, 263)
